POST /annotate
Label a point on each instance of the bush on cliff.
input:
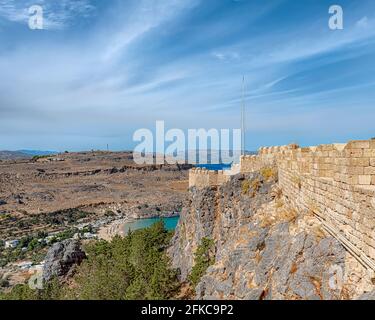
(52, 291)
(133, 267)
(269, 173)
(203, 258)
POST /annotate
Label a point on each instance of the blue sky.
(102, 69)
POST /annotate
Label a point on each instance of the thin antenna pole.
(243, 128)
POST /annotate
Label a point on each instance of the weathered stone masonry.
(201, 178)
(335, 182)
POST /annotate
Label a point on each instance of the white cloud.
(143, 17)
(226, 55)
(363, 23)
(70, 88)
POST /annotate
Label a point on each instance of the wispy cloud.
(225, 56)
(363, 22)
(141, 18)
(182, 61)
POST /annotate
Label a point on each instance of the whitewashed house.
(11, 244)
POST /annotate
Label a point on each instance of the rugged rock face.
(264, 249)
(275, 265)
(61, 259)
(196, 222)
(216, 214)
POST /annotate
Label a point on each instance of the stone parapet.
(336, 182)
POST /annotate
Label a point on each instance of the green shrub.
(53, 290)
(268, 173)
(251, 185)
(35, 158)
(3, 262)
(203, 258)
(133, 267)
(245, 187)
(110, 213)
(20, 292)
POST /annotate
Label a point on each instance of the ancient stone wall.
(335, 182)
(203, 178)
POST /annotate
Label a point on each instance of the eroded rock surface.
(62, 258)
(264, 249)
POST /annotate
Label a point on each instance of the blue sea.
(170, 223)
(219, 166)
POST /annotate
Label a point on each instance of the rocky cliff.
(263, 248)
(62, 258)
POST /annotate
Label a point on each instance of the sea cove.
(169, 222)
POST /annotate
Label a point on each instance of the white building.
(89, 235)
(24, 265)
(11, 244)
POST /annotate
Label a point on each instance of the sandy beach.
(115, 228)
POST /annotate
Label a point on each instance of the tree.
(204, 257)
(133, 267)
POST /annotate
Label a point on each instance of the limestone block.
(329, 160)
(305, 151)
(364, 144)
(342, 161)
(364, 179)
(361, 162)
(369, 170)
(325, 166)
(347, 179)
(333, 154)
(371, 252)
(370, 153)
(327, 147)
(353, 170)
(339, 177)
(353, 179)
(353, 153)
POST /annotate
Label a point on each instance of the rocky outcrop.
(62, 258)
(196, 222)
(275, 265)
(264, 249)
(217, 214)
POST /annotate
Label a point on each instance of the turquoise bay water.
(170, 223)
(219, 166)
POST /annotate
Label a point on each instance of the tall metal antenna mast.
(243, 126)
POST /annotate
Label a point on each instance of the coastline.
(115, 228)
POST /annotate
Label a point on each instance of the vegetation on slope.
(203, 258)
(133, 267)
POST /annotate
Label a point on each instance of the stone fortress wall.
(334, 182)
(202, 178)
